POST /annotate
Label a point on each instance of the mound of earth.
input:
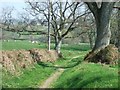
(108, 55)
(43, 55)
(16, 60)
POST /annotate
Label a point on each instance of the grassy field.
(20, 45)
(78, 74)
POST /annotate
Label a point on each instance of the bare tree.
(91, 30)
(63, 18)
(7, 21)
(7, 18)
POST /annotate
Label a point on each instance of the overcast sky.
(20, 4)
(17, 4)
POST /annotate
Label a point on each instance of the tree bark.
(103, 30)
(58, 46)
(102, 18)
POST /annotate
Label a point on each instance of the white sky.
(20, 4)
(17, 4)
(11, 0)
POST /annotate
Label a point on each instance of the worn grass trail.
(47, 83)
(52, 78)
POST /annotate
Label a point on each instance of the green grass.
(80, 47)
(70, 59)
(28, 45)
(88, 75)
(21, 45)
(30, 78)
(0, 76)
(78, 75)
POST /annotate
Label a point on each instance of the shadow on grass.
(53, 66)
(20, 88)
(78, 81)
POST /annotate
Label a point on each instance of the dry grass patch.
(16, 60)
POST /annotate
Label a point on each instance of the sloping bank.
(16, 60)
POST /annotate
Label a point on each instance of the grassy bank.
(88, 75)
(30, 78)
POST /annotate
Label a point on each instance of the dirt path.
(52, 78)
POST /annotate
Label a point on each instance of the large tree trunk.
(103, 31)
(102, 18)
